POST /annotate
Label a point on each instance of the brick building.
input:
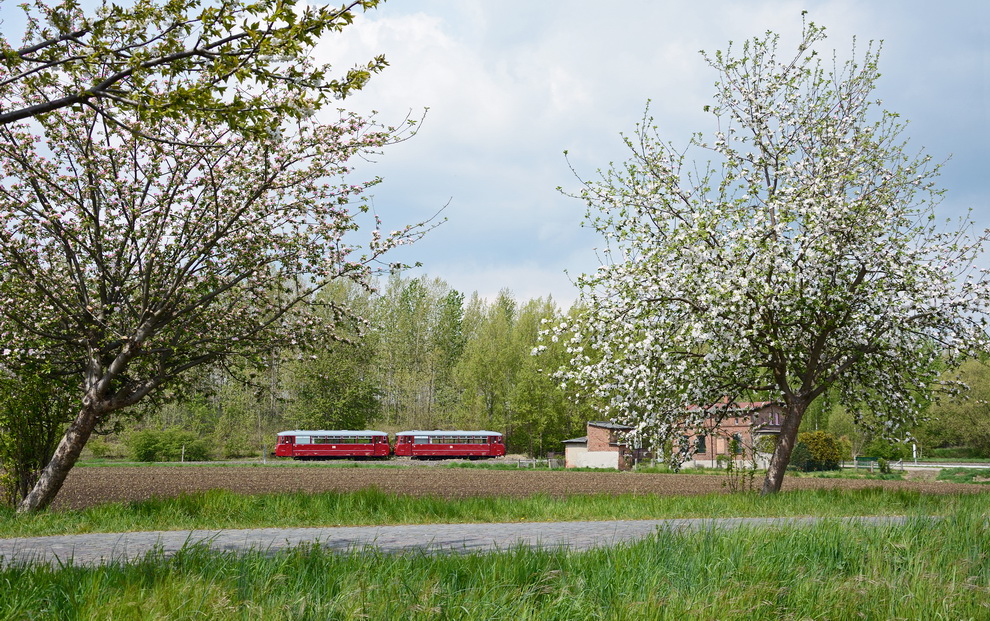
(603, 447)
(738, 434)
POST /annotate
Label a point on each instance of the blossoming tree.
(178, 59)
(125, 262)
(804, 256)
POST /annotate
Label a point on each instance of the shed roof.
(738, 406)
(608, 425)
(582, 439)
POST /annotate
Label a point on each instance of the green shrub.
(235, 446)
(800, 457)
(103, 448)
(816, 450)
(168, 445)
(825, 450)
(885, 449)
(34, 412)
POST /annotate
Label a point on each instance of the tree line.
(424, 356)
(430, 357)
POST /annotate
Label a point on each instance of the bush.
(34, 412)
(102, 448)
(884, 449)
(168, 445)
(233, 447)
(800, 457)
(816, 450)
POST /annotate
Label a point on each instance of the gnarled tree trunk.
(785, 446)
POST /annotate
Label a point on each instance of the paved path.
(95, 549)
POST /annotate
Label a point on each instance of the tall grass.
(219, 509)
(921, 570)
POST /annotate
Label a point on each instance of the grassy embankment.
(921, 570)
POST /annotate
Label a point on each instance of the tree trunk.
(785, 445)
(65, 457)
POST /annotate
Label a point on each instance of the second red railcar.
(450, 444)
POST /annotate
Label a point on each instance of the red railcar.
(323, 444)
(439, 444)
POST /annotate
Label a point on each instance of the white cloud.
(510, 88)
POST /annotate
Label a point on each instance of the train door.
(403, 445)
(497, 448)
(284, 447)
(381, 447)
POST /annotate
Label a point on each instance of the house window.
(736, 444)
(700, 445)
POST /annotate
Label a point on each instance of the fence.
(552, 463)
(872, 463)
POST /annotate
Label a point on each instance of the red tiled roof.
(745, 406)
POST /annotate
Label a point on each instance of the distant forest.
(426, 356)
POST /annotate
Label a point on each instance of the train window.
(421, 439)
(302, 440)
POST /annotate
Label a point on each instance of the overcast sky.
(511, 85)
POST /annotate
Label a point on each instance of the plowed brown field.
(96, 485)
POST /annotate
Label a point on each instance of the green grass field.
(965, 475)
(222, 509)
(921, 570)
(925, 569)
